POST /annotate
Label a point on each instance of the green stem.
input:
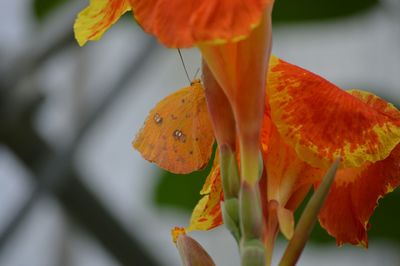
(250, 208)
(269, 244)
(229, 172)
(249, 163)
(251, 225)
(231, 185)
(308, 219)
(271, 230)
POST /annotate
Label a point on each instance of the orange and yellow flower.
(304, 122)
(307, 123)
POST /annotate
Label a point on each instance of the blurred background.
(72, 190)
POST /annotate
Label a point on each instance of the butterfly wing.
(177, 135)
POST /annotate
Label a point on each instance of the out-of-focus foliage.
(305, 10)
(284, 10)
(42, 8)
(181, 191)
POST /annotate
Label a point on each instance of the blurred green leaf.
(42, 8)
(305, 10)
(180, 191)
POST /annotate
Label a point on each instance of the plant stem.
(308, 219)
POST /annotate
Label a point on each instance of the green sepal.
(253, 253)
(230, 213)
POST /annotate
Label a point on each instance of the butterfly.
(177, 134)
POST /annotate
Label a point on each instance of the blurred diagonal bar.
(54, 35)
(55, 172)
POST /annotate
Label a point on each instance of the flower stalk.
(308, 219)
(251, 225)
(231, 184)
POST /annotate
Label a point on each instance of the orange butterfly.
(177, 134)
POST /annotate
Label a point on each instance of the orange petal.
(354, 196)
(95, 19)
(299, 194)
(266, 131)
(323, 122)
(184, 23)
(285, 171)
(239, 68)
(219, 109)
(177, 135)
(207, 213)
(286, 221)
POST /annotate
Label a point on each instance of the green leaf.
(306, 10)
(42, 8)
(180, 191)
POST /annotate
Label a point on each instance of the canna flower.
(308, 122)
(301, 125)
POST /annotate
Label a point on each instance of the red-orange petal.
(95, 19)
(207, 213)
(354, 196)
(323, 122)
(184, 23)
(219, 109)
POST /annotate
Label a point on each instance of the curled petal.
(207, 213)
(354, 196)
(184, 23)
(95, 19)
(323, 122)
(239, 68)
(219, 109)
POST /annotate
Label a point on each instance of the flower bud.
(191, 252)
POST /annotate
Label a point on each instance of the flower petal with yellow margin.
(354, 197)
(95, 19)
(323, 122)
(207, 213)
(184, 23)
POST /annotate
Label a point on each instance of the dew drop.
(157, 118)
(178, 135)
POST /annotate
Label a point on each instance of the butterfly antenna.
(197, 72)
(184, 66)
